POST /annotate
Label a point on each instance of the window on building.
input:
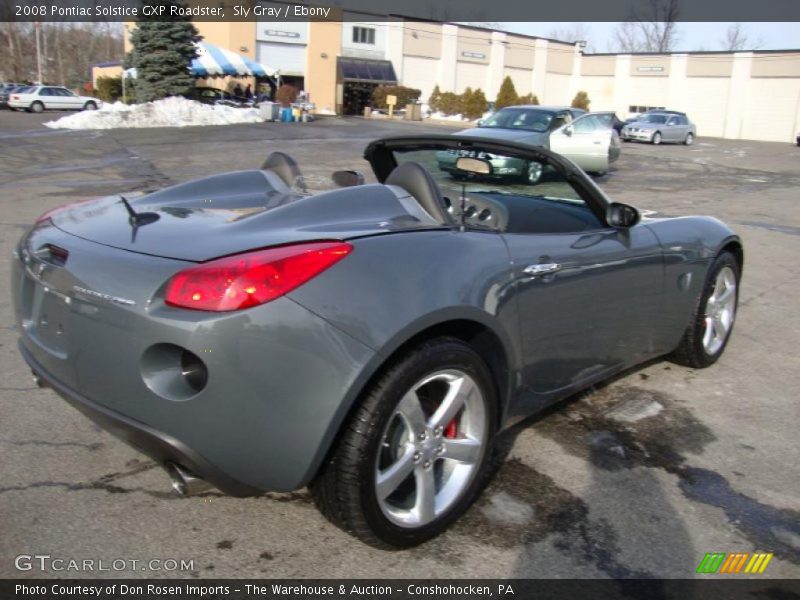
(364, 35)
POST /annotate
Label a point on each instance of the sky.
(693, 36)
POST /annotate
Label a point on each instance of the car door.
(674, 131)
(587, 293)
(67, 99)
(585, 141)
(47, 97)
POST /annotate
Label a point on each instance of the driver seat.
(418, 182)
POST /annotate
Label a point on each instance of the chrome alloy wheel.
(431, 448)
(720, 311)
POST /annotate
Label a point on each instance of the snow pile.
(169, 112)
(443, 117)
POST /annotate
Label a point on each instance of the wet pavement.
(639, 477)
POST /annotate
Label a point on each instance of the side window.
(683, 120)
(672, 121)
(586, 124)
(46, 92)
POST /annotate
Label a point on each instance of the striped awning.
(214, 62)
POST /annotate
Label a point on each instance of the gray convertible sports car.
(368, 341)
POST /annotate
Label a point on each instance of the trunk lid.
(235, 212)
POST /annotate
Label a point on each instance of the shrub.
(581, 100)
(474, 104)
(286, 94)
(109, 89)
(507, 96)
(435, 100)
(450, 104)
(405, 95)
(528, 99)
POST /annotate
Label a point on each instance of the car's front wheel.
(656, 139)
(90, 106)
(415, 453)
(711, 324)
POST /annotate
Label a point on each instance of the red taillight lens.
(246, 280)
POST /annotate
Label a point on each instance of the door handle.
(541, 269)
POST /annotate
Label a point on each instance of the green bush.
(109, 89)
(450, 104)
(435, 100)
(474, 104)
(405, 95)
(507, 96)
(581, 100)
(528, 99)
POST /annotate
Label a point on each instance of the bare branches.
(737, 38)
(653, 27)
(573, 32)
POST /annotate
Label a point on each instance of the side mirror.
(347, 178)
(622, 215)
(568, 130)
(480, 123)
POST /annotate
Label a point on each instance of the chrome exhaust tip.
(184, 482)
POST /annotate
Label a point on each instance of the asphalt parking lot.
(637, 478)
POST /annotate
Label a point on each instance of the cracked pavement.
(636, 478)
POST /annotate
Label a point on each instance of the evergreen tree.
(507, 96)
(581, 100)
(464, 101)
(475, 105)
(435, 101)
(162, 54)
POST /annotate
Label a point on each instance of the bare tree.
(573, 32)
(737, 38)
(653, 27)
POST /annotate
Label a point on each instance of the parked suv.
(660, 126)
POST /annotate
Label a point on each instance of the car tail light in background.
(253, 278)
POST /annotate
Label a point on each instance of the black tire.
(37, 107)
(691, 352)
(626, 140)
(344, 489)
(689, 139)
(90, 106)
(656, 139)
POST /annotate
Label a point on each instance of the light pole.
(36, 27)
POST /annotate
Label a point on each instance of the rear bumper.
(159, 446)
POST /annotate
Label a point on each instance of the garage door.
(420, 73)
(290, 59)
(470, 75)
(705, 104)
(772, 110)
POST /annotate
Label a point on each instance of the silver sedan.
(660, 127)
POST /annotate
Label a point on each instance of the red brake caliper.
(451, 429)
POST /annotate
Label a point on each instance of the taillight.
(15, 97)
(253, 278)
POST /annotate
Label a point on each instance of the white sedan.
(38, 98)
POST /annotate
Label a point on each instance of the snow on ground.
(169, 112)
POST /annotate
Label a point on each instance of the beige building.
(741, 95)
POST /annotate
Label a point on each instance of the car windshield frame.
(515, 110)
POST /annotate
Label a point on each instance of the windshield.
(653, 119)
(528, 119)
(514, 194)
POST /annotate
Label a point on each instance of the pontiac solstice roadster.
(368, 341)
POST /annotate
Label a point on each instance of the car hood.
(645, 126)
(235, 212)
(511, 135)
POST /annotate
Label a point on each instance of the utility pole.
(36, 27)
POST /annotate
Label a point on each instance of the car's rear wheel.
(414, 455)
(656, 139)
(37, 107)
(689, 139)
(712, 322)
(90, 106)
